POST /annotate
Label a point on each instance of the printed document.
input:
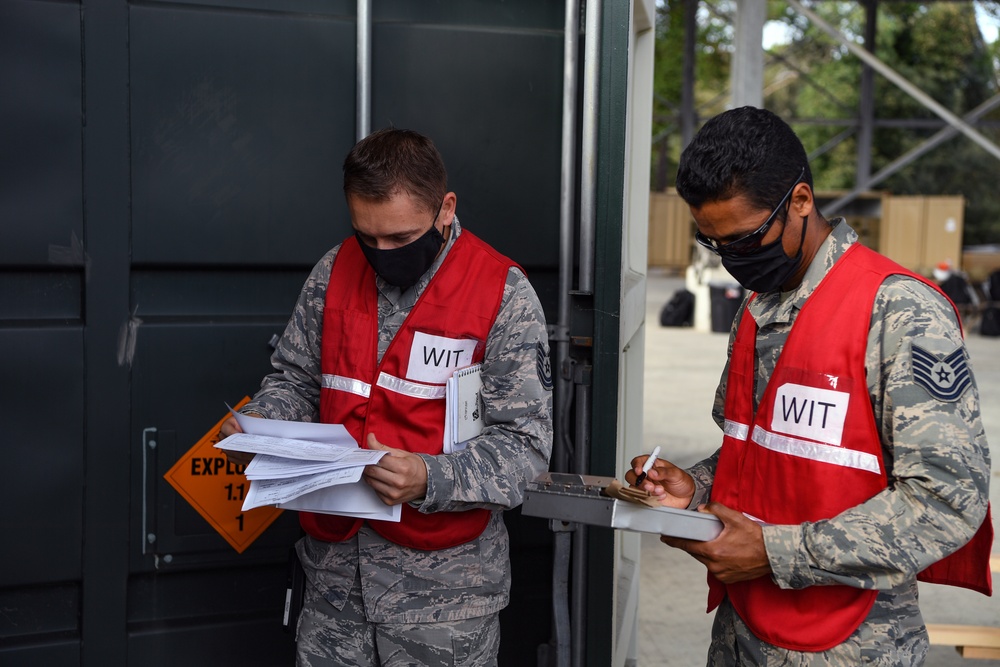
(308, 467)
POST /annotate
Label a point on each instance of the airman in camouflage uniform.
(373, 602)
(934, 450)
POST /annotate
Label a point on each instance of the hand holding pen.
(647, 465)
(672, 486)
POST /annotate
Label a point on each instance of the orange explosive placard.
(216, 489)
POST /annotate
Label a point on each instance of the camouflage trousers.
(881, 643)
(326, 637)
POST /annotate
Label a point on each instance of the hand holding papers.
(401, 477)
(308, 467)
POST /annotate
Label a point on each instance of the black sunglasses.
(751, 242)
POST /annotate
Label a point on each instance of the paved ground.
(682, 369)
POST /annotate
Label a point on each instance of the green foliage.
(940, 49)
(814, 82)
(712, 56)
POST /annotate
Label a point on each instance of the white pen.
(647, 465)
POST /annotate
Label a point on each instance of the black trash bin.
(726, 299)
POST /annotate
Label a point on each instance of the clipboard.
(582, 499)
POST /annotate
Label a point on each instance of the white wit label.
(434, 358)
(810, 412)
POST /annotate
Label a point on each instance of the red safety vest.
(402, 399)
(813, 451)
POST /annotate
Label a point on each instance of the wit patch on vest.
(810, 412)
(434, 358)
(944, 377)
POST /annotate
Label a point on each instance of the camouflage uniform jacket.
(937, 464)
(402, 585)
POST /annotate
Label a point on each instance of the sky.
(988, 25)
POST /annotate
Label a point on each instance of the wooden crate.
(670, 230)
(920, 231)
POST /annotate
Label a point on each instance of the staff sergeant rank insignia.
(944, 377)
(544, 366)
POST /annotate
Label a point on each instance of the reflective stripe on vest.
(411, 389)
(784, 444)
(386, 381)
(735, 429)
(341, 383)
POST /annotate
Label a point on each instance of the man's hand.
(229, 427)
(398, 477)
(672, 486)
(737, 554)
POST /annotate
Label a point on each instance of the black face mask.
(403, 266)
(767, 268)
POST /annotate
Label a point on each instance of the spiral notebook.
(464, 411)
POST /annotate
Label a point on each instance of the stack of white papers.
(286, 468)
(464, 408)
(307, 467)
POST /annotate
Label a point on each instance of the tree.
(815, 79)
(712, 66)
(940, 48)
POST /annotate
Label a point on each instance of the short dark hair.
(390, 161)
(745, 151)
